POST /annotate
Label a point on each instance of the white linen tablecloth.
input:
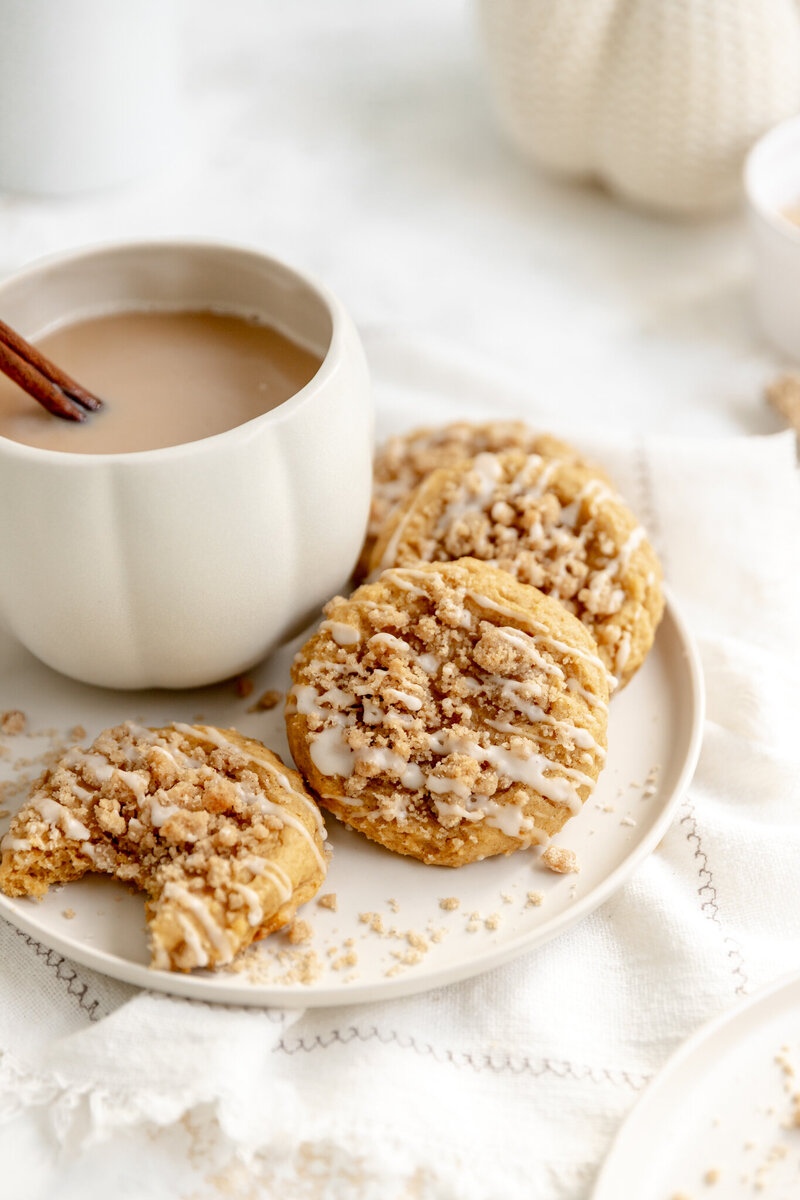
(512, 1084)
(354, 140)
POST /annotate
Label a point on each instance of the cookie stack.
(456, 705)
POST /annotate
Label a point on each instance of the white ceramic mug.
(181, 566)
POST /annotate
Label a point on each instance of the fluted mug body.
(182, 566)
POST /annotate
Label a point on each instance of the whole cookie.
(449, 712)
(406, 459)
(222, 837)
(551, 523)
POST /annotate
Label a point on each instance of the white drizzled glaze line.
(59, 818)
(263, 866)
(342, 634)
(528, 769)
(623, 653)
(412, 703)
(591, 699)
(537, 716)
(15, 843)
(193, 904)
(255, 911)
(388, 639)
(192, 939)
(159, 813)
(392, 544)
(332, 756)
(270, 808)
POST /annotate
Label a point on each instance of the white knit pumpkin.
(658, 99)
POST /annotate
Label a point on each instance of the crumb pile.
(219, 834)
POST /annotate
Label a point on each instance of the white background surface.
(353, 139)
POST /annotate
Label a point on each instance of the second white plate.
(390, 935)
(721, 1119)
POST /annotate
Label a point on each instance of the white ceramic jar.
(772, 186)
(181, 566)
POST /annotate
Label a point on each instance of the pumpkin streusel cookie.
(408, 458)
(222, 837)
(449, 712)
(551, 523)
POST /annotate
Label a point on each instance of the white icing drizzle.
(332, 756)
(15, 843)
(529, 769)
(255, 913)
(136, 782)
(192, 939)
(388, 639)
(412, 703)
(193, 904)
(443, 785)
(97, 766)
(623, 653)
(269, 807)
(591, 699)
(342, 634)
(159, 813)
(58, 817)
(578, 736)
(264, 866)
(429, 663)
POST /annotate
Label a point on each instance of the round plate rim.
(609, 1178)
(214, 989)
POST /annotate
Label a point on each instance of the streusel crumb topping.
(428, 700)
(212, 826)
(549, 522)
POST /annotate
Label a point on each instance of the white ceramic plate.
(720, 1119)
(655, 725)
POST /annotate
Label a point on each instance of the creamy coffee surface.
(165, 377)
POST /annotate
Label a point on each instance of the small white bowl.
(772, 185)
(181, 566)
